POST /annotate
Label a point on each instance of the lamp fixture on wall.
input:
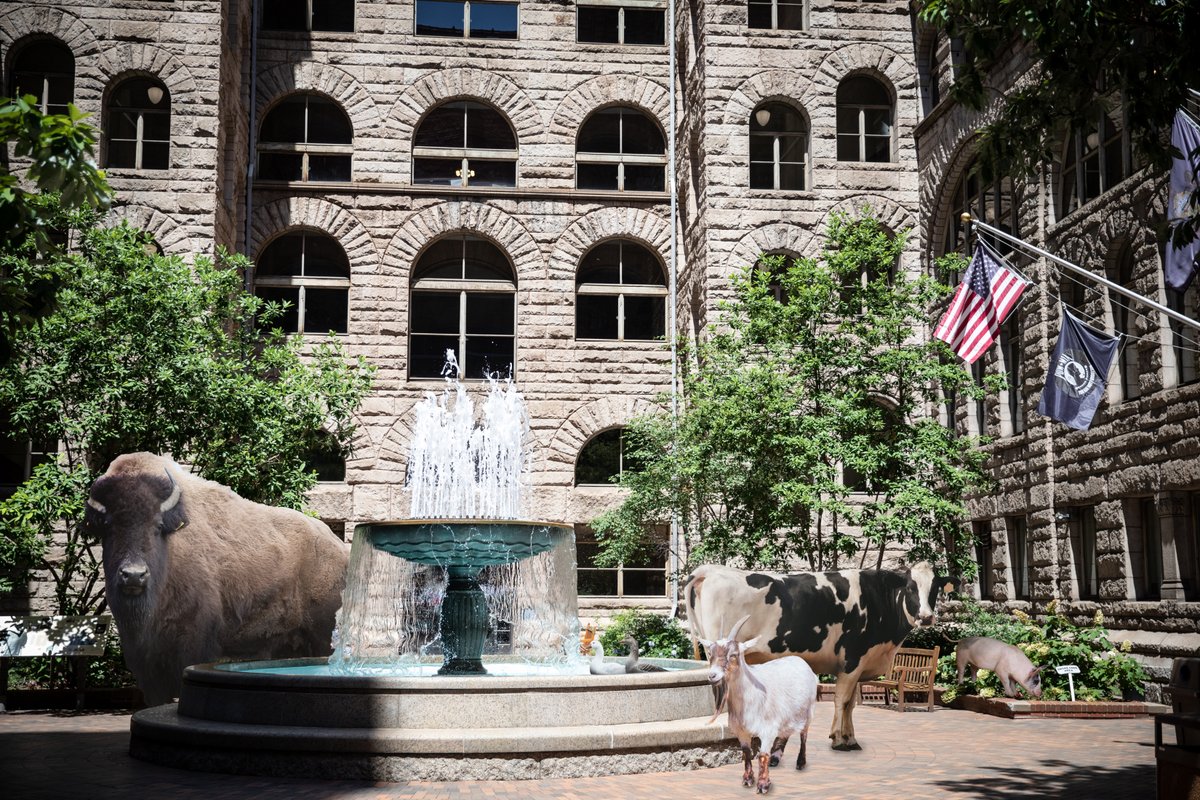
(155, 94)
(762, 117)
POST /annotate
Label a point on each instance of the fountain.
(465, 582)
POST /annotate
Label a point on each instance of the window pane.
(1114, 170)
(878, 121)
(641, 135)
(283, 15)
(493, 20)
(324, 257)
(290, 320)
(327, 123)
(879, 148)
(762, 147)
(791, 16)
(437, 171)
(156, 127)
(762, 176)
(645, 317)
(847, 147)
(595, 317)
(601, 265)
(847, 120)
(487, 128)
(122, 154)
(791, 148)
(282, 256)
(326, 310)
(644, 26)
(444, 126)
(598, 24)
(284, 122)
(597, 582)
(427, 354)
(639, 266)
(862, 91)
(645, 177)
(490, 313)
(596, 176)
(485, 261)
(493, 173)
(60, 92)
(601, 133)
(586, 551)
(122, 125)
(439, 18)
(280, 166)
(328, 168)
(791, 176)
(489, 356)
(600, 459)
(443, 259)
(156, 155)
(435, 312)
(333, 15)
(760, 14)
(644, 583)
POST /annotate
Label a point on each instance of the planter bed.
(1063, 709)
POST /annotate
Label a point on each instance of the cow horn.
(171, 501)
(737, 626)
(98, 507)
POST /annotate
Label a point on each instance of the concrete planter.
(1019, 709)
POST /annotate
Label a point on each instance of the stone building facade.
(496, 177)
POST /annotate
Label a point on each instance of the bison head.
(133, 507)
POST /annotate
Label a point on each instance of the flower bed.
(1020, 709)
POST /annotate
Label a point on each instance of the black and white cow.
(847, 623)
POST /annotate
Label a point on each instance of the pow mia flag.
(1078, 373)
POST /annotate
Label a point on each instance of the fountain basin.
(233, 718)
(467, 543)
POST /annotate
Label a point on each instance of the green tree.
(147, 352)
(61, 168)
(1085, 55)
(781, 394)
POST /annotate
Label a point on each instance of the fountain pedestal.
(464, 624)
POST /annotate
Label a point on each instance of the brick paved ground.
(917, 755)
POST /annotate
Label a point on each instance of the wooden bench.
(78, 638)
(913, 671)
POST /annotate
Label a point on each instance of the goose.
(599, 666)
(632, 664)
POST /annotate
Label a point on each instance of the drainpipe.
(251, 139)
(674, 548)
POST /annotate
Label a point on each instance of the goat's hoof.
(843, 746)
(763, 788)
(800, 764)
(747, 782)
(774, 762)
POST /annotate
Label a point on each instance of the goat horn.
(98, 507)
(737, 626)
(170, 502)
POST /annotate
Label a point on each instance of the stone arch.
(895, 70)
(29, 21)
(938, 196)
(889, 213)
(172, 237)
(607, 223)
(560, 453)
(392, 450)
(364, 449)
(780, 236)
(608, 90)
(290, 213)
(422, 227)
(777, 85)
(129, 58)
(337, 84)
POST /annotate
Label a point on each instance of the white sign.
(1067, 669)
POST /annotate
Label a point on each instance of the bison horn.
(171, 501)
(98, 507)
(737, 626)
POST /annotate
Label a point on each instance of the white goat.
(768, 702)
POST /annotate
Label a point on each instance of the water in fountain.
(461, 468)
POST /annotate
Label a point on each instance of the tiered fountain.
(467, 584)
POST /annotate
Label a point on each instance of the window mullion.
(466, 35)
(862, 134)
(308, 16)
(774, 15)
(462, 333)
(621, 317)
(137, 156)
(776, 156)
(621, 25)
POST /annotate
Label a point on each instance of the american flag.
(988, 292)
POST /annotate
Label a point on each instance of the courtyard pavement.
(911, 756)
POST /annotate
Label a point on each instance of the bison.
(848, 622)
(195, 573)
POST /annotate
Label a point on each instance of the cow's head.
(924, 590)
(133, 507)
(725, 654)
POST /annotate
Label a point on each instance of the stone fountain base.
(460, 728)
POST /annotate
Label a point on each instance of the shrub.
(657, 636)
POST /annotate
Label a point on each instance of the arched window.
(783, 15)
(1097, 158)
(465, 143)
(138, 125)
(778, 147)
(776, 262)
(1011, 353)
(463, 301)
(310, 272)
(887, 425)
(993, 202)
(621, 293)
(864, 120)
(305, 137)
(313, 15)
(45, 69)
(1129, 383)
(467, 19)
(621, 149)
(930, 68)
(325, 457)
(602, 460)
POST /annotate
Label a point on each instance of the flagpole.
(1078, 270)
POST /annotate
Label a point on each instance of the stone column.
(1172, 524)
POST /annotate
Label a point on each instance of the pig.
(1011, 666)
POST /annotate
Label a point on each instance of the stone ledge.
(1062, 709)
